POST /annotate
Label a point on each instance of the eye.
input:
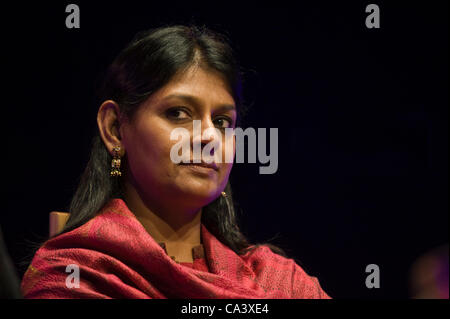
(223, 122)
(177, 113)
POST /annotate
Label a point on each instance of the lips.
(203, 164)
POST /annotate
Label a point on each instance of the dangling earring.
(115, 163)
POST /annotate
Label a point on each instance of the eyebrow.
(194, 100)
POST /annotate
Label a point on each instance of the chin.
(201, 195)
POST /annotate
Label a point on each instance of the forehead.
(206, 86)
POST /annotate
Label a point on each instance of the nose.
(205, 133)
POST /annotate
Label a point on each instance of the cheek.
(149, 154)
(228, 149)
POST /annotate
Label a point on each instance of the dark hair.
(149, 62)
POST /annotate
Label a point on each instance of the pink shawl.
(117, 258)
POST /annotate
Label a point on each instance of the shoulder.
(49, 273)
(272, 267)
(102, 249)
(100, 272)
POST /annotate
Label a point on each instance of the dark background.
(362, 117)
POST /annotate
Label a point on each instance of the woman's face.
(194, 95)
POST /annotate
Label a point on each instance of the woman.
(144, 226)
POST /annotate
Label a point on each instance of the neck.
(171, 225)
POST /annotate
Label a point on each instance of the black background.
(362, 116)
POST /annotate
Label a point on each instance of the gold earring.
(115, 163)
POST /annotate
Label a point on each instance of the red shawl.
(117, 258)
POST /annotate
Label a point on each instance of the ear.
(108, 125)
